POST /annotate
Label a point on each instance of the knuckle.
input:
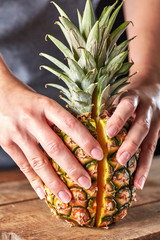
(13, 127)
(130, 104)
(53, 147)
(134, 145)
(73, 172)
(17, 134)
(38, 163)
(151, 102)
(87, 145)
(35, 181)
(26, 168)
(151, 147)
(120, 121)
(7, 144)
(26, 114)
(70, 122)
(44, 101)
(55, 186)
(144, 123)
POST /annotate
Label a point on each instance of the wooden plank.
(17, 191)
(154, 236)
(11, 175)
(151, 191)
(32, 221)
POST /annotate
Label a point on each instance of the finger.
(43, 168)
(123, 112)
(73, 128)
(56, 149)
(144, 163)
(135, 136)
(18, 156)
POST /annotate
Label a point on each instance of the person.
(26, 114)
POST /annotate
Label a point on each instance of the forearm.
(4, 71)
(145, 48)
(8, 82)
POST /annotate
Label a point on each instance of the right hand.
(26, 118)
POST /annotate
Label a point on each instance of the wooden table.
(24, 216)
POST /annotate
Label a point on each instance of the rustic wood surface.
(24, 216)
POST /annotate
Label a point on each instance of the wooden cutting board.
(24, 216)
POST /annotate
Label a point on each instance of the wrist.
(149, 74)
(4, 70)
(6, 77)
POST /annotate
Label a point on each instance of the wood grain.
(151, 191)
(11, 175)
(24, 217)
(32, 221)
(16, 191)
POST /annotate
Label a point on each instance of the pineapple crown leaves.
(94, 60)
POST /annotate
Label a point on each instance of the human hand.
(26, 118)
(142, 100)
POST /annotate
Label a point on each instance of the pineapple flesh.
(94, 75)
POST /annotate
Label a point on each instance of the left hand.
(142, 100)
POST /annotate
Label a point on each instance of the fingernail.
(97, 153)
(124, 157)
(64, 196)
(112, 131)
(40, 193)
(84, 182)
(141, 182)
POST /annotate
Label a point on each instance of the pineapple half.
(94, 75)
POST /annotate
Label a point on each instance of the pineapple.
(94, 75)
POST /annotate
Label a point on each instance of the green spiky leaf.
(65, 32)
(89, 79)
(63, 90)
(104, 18)
(95, 62)
(86, 61)
(56, 62)
(61, 12)
(115, 64)
(80, 22)
(116, 35)
(113, 17)
(88, 19)
(93, 40)
(70, 26)
(61, 75)
(61, 46)
(76, 72)
(119, 49)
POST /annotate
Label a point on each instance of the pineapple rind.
(81, 210)
(118, 190)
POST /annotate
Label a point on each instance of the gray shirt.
(23, 26)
